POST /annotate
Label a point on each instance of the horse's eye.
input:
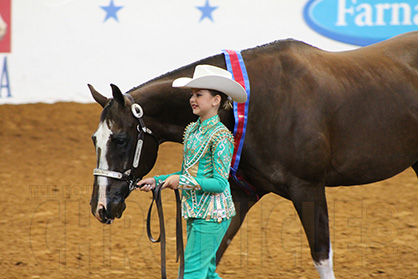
(94, 139)
(120, 140)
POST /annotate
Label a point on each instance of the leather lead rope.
(156, 197)
(179, 235)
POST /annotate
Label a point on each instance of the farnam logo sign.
(361, 22)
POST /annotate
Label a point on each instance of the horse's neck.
(166, 109)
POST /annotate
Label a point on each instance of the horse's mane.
(274, 46)
(278, 45)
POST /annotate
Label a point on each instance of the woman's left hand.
(146, 184)
(172, 182)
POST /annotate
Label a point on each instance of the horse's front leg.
(310, 203)
(243, 202)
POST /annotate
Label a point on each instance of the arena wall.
(51, 49)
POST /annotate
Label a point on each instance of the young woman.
(208, 147)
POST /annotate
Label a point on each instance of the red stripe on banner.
(236, 68)
(6, 15)
(239, 77)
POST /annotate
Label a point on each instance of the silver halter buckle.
(137, 111)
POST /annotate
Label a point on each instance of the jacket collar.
(208, 123)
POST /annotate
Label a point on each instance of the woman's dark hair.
(226, 102)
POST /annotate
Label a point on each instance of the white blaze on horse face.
(325, 268)
(102, 135)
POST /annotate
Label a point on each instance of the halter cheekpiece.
(129, 175)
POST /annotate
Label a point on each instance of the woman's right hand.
(146, 184)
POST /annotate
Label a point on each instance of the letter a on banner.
(4, 79)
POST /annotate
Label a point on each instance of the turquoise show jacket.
(208, 149)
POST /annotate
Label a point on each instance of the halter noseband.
(129, 175)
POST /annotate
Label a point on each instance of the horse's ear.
(102, 100)
(117, 95)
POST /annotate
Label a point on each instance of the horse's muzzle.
(107, 215)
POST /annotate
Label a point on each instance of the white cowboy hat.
(215, 78)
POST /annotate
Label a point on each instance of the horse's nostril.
(100, 205)
(101, 212)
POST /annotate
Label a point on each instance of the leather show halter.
(130, 177)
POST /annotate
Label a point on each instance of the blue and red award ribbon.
(236, 66)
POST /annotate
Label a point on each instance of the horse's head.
(125, 150)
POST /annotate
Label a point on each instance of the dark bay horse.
(315, 119)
